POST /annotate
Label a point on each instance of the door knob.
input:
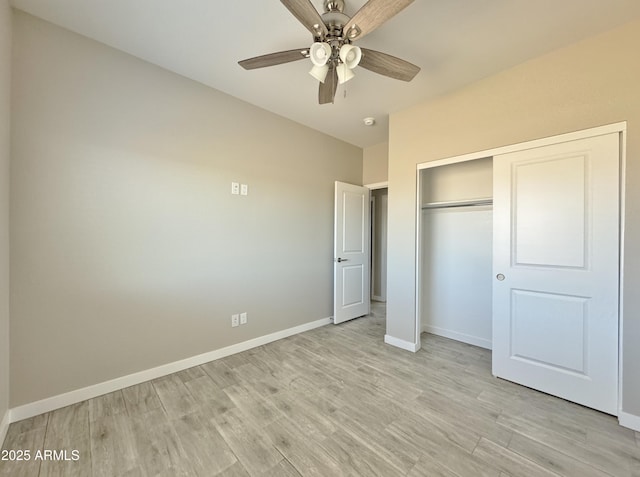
(500, 276)
(342, 260)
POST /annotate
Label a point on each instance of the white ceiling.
(455, 42)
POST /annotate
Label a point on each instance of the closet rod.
(458, 203)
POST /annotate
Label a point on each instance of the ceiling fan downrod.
(334, 6)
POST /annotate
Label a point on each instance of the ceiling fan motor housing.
(335, 21)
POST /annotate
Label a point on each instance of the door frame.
(620, 128)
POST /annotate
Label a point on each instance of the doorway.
(379, 205)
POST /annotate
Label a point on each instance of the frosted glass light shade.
(319, 72)
(320, 53)
(344, 73)
(350, 55)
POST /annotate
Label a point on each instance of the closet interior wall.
(456, 251)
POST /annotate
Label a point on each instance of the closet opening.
(519, 251)
(455, 251)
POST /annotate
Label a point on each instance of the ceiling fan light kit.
(350, 55)
(332, 54)
(319, 72)
(320, 53)
(344, 73)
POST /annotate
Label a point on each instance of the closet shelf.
(458, 203)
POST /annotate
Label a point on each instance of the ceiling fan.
(332, 53)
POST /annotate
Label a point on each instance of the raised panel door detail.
(548, 329)
(550, 212)
(353, 285)
(354, 214)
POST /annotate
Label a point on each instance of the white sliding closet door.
(556, 254)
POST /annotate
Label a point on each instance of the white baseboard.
(4, 426)
(62, 400)
(454, 335)
(629, 420)
(398, 343)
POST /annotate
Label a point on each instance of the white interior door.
(556, 269)
(351, 252)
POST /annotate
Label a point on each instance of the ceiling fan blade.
(273, 59)
(388, 65)
(327, 90)
(307, 14)
(373, 14)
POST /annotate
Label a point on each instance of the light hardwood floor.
(330, 402)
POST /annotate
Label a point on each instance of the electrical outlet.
(235, 188)
(243, 318)
(235, 320)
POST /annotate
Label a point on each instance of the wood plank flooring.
(333, 401)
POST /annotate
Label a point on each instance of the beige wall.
(460, 181)
(5, 82)
(375, 163)
(588, 84)
(128, 249)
